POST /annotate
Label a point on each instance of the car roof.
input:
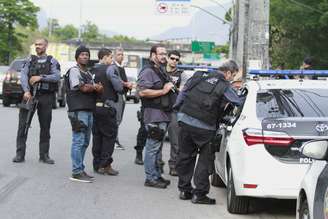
(288, 84)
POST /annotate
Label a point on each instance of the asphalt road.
(35, 190)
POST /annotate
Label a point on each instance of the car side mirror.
(315, 149)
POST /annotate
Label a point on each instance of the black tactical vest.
(204, 99)
(38, 68)
(100, 76)
(165, 102)
(77, 100)
(123, 76)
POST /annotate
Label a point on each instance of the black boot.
(138, 159)
(18, 159)
(46, 159)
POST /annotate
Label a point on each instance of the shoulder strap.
(49, 58)
(196, 79)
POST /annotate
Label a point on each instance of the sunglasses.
(176, 59)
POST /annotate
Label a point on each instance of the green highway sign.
(202, 47)
(212, 56)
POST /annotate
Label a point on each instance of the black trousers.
(44, 111)
(104, 132)
(142, 133)
(192, 141)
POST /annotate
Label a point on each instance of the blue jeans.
(80, 140)
(152, 154)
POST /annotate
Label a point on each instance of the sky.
(137, 18)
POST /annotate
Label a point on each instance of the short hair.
(42, 38)
(118, 49)
(308, 60)
(104, 52)
(229, 65)
(174, 52)
(153, 49)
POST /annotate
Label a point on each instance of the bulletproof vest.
(204, 99)
(77, 100)
(109, 93)
(165, 102)
(40, 67)
(123, 76)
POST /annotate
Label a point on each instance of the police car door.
(224, 131)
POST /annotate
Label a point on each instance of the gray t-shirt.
(148, 79)
(75, 78)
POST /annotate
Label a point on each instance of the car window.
(292, 103)
(17, 65)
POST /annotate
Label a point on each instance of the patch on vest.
(212, 80)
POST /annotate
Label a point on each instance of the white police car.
(259, 152)
(312, 200)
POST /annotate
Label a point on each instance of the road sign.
(202, 47)
(212, 56)
(173, 7)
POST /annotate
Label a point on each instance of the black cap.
(81, 49)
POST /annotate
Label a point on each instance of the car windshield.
(17, 65)
(292, 103)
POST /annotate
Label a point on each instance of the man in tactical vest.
(155, 90)
(120, 106)
(201, 104)
(105, 124)
(81, 94)
(173, 129)
(40, 74)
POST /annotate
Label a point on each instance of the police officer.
(120, 106)
(81, 100)
(201, 105)
(155, 91)
(173, 129)
(41, 72)
(105, 121)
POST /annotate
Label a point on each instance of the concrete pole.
(250, 34)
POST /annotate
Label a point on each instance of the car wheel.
(216, 180)
(136, 100)
(6, 101)
(235, 204)
(304, 210)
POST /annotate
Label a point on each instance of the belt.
(101, 104)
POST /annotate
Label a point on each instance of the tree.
(299, 28)
(67, 32)
(90, 32)
(13, 13)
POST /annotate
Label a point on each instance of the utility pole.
(250, 34)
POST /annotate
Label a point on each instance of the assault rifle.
(31, 106)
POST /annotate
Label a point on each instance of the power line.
(210, 13)
(219, 4)
(306, 6)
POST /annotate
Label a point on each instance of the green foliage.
(298, 29)
(221, 49)
(12, 14)
(90, 32)
(57, 33)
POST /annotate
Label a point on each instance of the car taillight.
(259, 136)
(8, 76)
